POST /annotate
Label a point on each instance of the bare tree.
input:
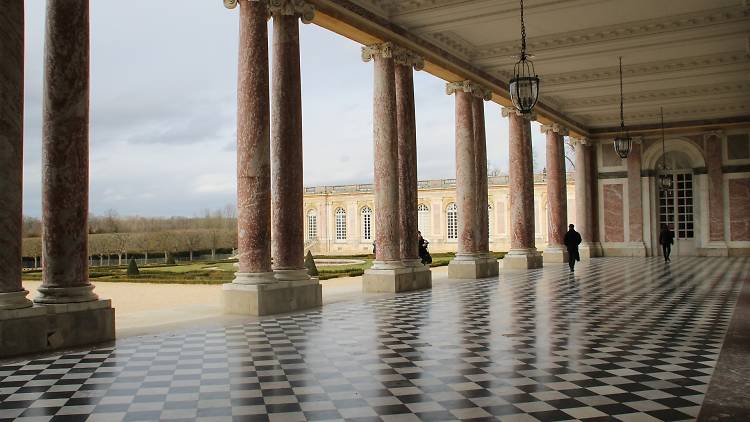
(32, 247)
(570, 153)
(121, 242)
(192, 239)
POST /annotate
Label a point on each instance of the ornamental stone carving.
(554, 127)
(473, 88)
(507, 111)
(301, 8)
(388, 50)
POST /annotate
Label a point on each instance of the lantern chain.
(523, 35)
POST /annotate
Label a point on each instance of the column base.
(66, 295)
(44, 328)
(15, 300)
(555, 255)
(470, 267)
(588, 250)
(395, 280)
(522, 259)
(271, 298)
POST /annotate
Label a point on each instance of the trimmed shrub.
(356, 273)
(312, 270)
(133, 268)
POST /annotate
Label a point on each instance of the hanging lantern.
(524, 86)
(666, 183)
(623, 143)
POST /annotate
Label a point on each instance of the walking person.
(424, 254)
(666, 239)
(572, 240)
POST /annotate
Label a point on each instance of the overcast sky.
(163, 104)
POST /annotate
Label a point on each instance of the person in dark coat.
(666, 240)
(424, 254)
(572, 240)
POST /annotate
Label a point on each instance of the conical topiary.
(133, 268)
(312, 270)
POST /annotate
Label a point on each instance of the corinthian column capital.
(408, 58)
(470, 87)
(381, 50)
(580, 140)
(507, 111)
(230, 4)
(304, 10)
(556, 128)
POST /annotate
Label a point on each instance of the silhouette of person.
(572, 240)
(666, 239)
(423, 253)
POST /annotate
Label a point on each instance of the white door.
(676, 210)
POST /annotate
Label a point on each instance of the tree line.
(113, 236)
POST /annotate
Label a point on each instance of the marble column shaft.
(557, 195)
(466, 179)
(253, 143)
(583, 193)
(635, 216)
(286, 148)
(407, 162)
(480, 169)
(385, 136)
(521, 180)
(12, 293)
(65, 155)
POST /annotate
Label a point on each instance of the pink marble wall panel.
(715, 191)
(613, 213)
(739, 209)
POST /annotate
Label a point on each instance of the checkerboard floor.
(626, 339)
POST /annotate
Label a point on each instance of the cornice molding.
(470, 87)
(671, 113)
(657, 95)
(388, 50)
(450, 40)
(402, 6)
(650, 68)
(623, 31)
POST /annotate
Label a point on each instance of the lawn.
(219, 272)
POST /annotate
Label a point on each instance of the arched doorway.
(677, 208)
(683, 207)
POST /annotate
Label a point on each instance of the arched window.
(366, 223)
(423, 219)
(312, 225)
(452, 221)
(340, 224)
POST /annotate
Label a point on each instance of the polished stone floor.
(626, 339)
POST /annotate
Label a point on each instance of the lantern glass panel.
(623, 145)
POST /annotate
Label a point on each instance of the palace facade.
(339, 219)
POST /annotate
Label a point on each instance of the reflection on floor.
(626, 338)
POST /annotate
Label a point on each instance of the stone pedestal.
(271, 298)
(555, 255)
(473, 267)
(52, 327)
(395, 280)
(522, 259)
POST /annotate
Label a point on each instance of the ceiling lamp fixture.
(524, 87)
(665, 180)
(623, 142)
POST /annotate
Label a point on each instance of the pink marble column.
(557, 196)
(715, 188)
(480, 169)
(593, 199)
(65, 155)
(466, 178)
(407, 164)
(253, 148)
(12, 293)
(521, 182)
(385, 136)
(635, 201)
(286, 151)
